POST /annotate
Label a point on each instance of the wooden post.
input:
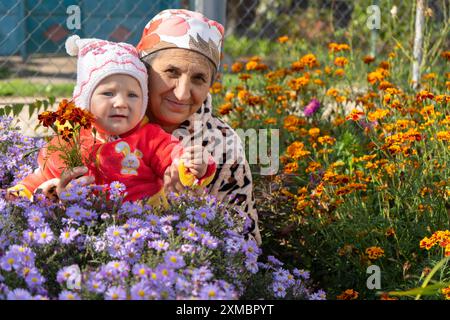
(418, 44)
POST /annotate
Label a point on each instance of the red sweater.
(138, 159)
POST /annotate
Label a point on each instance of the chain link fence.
(33, 62)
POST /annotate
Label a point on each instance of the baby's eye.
(107, 93)
(133, 95)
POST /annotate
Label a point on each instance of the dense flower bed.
(91, 245)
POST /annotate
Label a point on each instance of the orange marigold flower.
(229, 96)
(368, 59)
(339, 72)
(446, 293)
(427, 243)
(291, 167)
(47, 118)
(340, 61)
(424, 94)
(292, 122)
(313, 167)
(446, 55)
(295, 150)
(245, 76)
(270, 121)
(314, 132)
(355, 115)
(390, 232)
(297, 66)
(283, 39)
(326, 140)
(378, 114)
(225, 108)
(374, 253)
(429, 76)
(348, 294)
(216, 88)
(336, 47)
(375, 77)
(251, 65)
(237, 67)
(384, 65)
(309, 60)
(243, 96)
(443, 135)
(332, 92)
(385, 296)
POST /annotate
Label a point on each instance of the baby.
(112, 85)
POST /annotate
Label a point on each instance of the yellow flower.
(377, 114)
(309, 60)
(326, 140)
(225, 108)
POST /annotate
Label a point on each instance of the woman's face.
(178, 83)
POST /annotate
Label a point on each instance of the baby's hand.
(194, 160)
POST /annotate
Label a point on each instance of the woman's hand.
(73, 175)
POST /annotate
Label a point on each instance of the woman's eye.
(172, 72)
(200, 78)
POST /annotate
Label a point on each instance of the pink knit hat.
(98, 59)
(182, 29)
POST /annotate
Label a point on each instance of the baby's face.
(117, 104)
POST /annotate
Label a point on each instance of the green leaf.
(51, 100)
(8, 110)
(17, 109)
(31, 109)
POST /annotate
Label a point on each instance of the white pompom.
(72, 46)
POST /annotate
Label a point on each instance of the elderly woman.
(181, 49)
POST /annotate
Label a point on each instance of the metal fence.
(32, 32)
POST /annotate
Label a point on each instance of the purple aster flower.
(251, 266)
(279, 289)
(68, 295)
(96, 285)
(232, 245)
(115, 233)
(140, 291)
(209, 241)
(311, 107)
(141, 271)
(301, 273)
(163, 273)
(75, 212)
(10, 261)
(210, 292)
(183, 285)
(201, 274)
(204, 215)
(250, 248)
(99, 245)
(116, 293)
(130, 208)
(68, 235)
(159, 245)
(29, 236)
(35, 219)
(174, 260)
(34, 279)
(319, 295)
(188, 248)
(274, 261)
(68, 273)
(18, 294)
(44, 235)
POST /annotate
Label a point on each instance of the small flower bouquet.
(67, 123)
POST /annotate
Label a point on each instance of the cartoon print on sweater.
(130, 163)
